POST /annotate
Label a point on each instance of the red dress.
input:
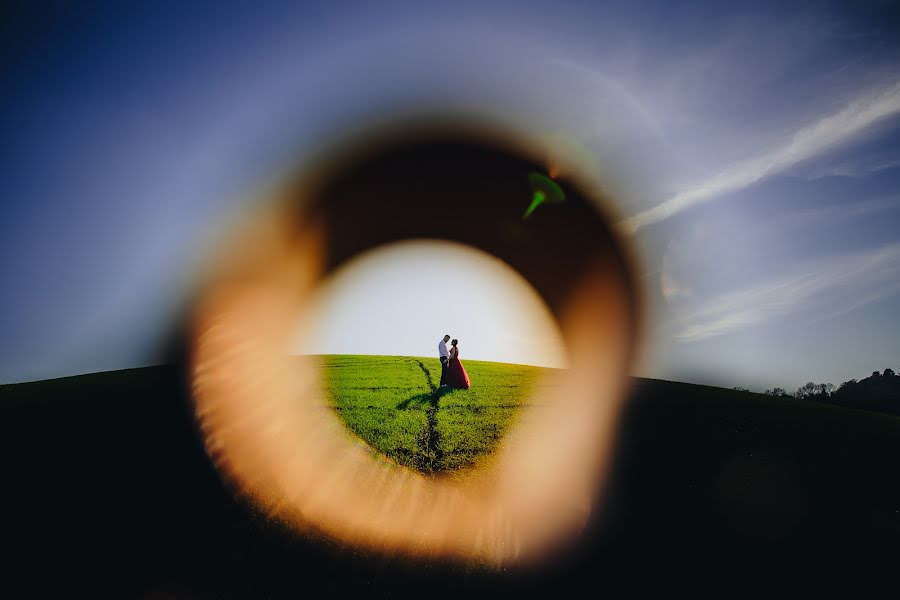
(456, 374)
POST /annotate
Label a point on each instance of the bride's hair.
(454, 342)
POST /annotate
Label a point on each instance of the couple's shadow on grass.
(424, 399)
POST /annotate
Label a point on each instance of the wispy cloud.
(805, 143)
(875, 295)
(840, 285)
(845, 210)
(856, 167)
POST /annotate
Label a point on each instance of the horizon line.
(502, 362)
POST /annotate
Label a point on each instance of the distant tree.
(738, 388)
(846, 393)
(815, 391)
(776, 392)
(876, 374)
(807, 390)
(888, 372)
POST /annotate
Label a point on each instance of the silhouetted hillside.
(107, 490)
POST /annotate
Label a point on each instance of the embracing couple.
(452, 372)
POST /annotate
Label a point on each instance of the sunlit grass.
(388, 401)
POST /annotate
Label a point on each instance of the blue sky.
(752, 152)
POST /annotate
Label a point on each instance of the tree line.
(879, 392)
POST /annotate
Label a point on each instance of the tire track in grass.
(429, 439)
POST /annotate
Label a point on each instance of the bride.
(456, 374)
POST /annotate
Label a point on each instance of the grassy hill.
(393, 404)
(107, 486)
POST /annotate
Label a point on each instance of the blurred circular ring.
(262, 413)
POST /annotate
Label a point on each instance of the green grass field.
(392, 404)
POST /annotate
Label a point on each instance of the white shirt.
(442, 349)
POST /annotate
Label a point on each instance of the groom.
(444, 355)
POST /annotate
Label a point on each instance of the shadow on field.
(433, 396)
(425, 370)
(431, 455)
(416, 400)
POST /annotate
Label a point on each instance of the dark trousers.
(444, 362)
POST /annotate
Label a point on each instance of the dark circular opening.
(462, 187)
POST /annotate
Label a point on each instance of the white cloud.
(841, 285)
(802, 145)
